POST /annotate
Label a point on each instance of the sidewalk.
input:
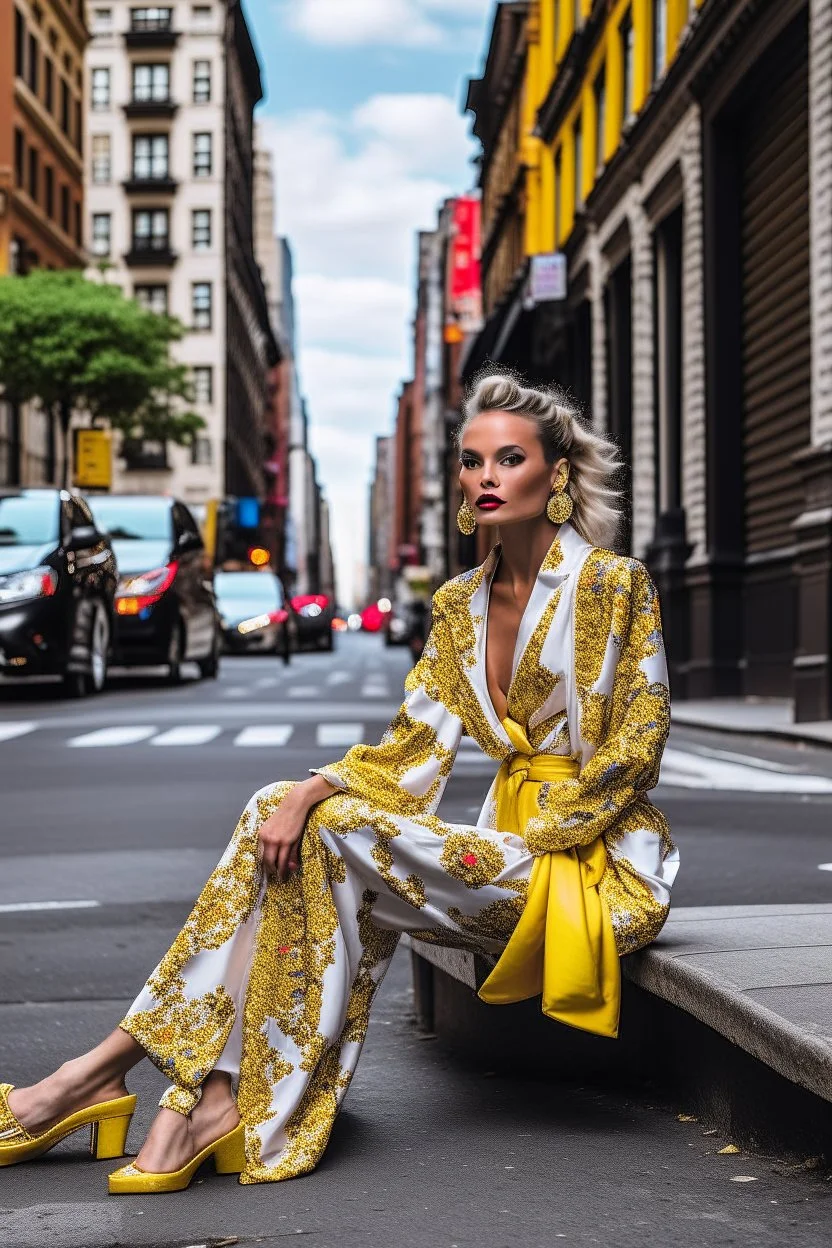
(762, 717)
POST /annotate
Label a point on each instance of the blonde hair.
(593, 459)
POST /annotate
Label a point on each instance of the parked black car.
(314, 616)
(57, 581)
(164, 608)
(255, 617)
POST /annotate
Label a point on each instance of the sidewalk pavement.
(762, 717)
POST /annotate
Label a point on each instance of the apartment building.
(169, 156)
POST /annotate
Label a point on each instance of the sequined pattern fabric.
(274, 983)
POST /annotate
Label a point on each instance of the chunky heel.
(230, 1154)
(109, 1137)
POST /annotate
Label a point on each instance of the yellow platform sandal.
(108, 1121)
(229, 1156)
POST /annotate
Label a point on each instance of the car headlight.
(35, 583)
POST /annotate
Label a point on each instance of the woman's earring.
(466, 520)
(559, 506)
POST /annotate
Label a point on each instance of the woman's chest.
(526, 655)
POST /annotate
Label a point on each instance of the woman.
(550, 656)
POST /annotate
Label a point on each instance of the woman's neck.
(523, 548)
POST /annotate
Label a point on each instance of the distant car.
(396, 628)
(254, 614)
(57, 582)
(165, 608)
(314, 617)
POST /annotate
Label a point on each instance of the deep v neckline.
(514, 655)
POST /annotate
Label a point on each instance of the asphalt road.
(112, 813)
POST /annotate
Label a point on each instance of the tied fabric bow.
(563, 946)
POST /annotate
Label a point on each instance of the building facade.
(41, 184)
(169, 218)
(677, 158)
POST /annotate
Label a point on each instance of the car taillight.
(278, 617)
(310, 604)
(135, 593)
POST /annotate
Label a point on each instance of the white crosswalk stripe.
(188, 734)
(108, 737)
(264, 735)
(339, 734)
(304, 691)
(8, 732)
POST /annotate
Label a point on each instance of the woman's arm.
(280, 835)
(625, 766)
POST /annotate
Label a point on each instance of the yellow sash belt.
(563, 946)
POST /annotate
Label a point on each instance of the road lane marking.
(695, 771)
(825, 866)
(339, 734)
(338, 678)
(9, 731)
(234, 693)
(105, 737)
(304, 691)
(17, 907)
(264, 735)
(188, 734)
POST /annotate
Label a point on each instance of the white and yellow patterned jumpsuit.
(273, 982)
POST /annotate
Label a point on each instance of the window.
(34, 174)
(76, 209)
(625, 32)
(79, 127)
(659, 37)
(65, 209)
(101, 158)
(65, 100)
(150, 156)
(48, 84)
(599, 91)
(202, 82)
(151, 229)
(19, 156)
(201, 229)
(201, 305)
(100, 89)
(204, 384)
(201, 450)
(34, 63)
(579, 164)
(152, 299)
(203, 155)
(49, 191)
(101, 225)
(19, 43)
(151, 17)
(102, 21)
(151, 83)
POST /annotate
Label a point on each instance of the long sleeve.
(407, 771)
(627, 713)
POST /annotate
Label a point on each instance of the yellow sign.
(93, 459)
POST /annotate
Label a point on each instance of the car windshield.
(260, 589)
(29, 520)
(133, 519)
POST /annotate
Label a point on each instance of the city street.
(114, 811)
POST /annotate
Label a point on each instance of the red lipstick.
(489, 502)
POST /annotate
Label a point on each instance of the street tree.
(81, 346)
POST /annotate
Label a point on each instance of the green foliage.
(76, 344)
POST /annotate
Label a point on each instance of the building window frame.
(100, 88)
(152, 297)
(102, 159)
(658, 34)
(150, 82)
(101, 236)
(33, 174)
(202, 151)
(19, 44)
(49, 191)
(202, 228)
(151, 157)
(151, 17)
(202, 306)
(599, 93)
(201, 82)
(150, 229)
(578, 142)
(203, 383)
(33, 66)
(626, 35)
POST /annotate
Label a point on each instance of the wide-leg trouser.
(273, 982)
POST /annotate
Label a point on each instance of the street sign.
(548, 278)
(93, 459)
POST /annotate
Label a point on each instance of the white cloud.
(364, 314)
(389, 23)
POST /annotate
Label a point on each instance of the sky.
(363, 112)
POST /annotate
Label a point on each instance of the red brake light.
(307, 600)
(136, 593)
(278, 617)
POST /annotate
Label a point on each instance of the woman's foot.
(174, 1140)
(76, 1085)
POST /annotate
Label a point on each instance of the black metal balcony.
(141, 456)
(151, 186)
(138, 110)
(151, 32)
(150, 253)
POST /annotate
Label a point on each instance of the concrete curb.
(798, 734)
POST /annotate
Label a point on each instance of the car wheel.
(209, 669)
(326, 641)
(175, 652)
(81, 684)
(284, 648)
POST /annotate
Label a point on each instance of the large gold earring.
(559, 506)
(466, 521)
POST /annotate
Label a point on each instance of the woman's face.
(503, 472)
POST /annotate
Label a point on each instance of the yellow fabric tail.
(563, 946)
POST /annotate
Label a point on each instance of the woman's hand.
(279, 836)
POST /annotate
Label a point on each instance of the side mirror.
(188, 542)
(84, 537)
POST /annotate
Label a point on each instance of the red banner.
(464, 276)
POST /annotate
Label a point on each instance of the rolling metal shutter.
(776, 308)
